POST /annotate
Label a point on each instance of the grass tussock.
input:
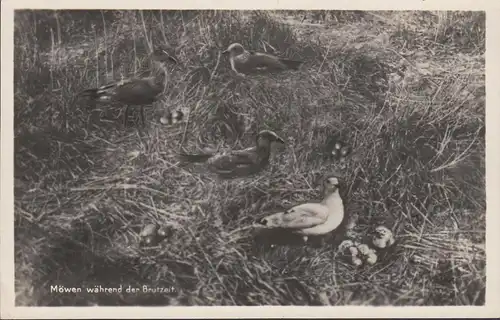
(404, 89)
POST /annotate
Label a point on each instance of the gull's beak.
(280, 140)
(225, 51)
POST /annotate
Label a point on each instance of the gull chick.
(309, 219)
(243, 61)
(369, 254)
(383, 237)
(148, 234)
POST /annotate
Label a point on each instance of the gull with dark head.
(237, 163)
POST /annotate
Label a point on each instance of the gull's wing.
(250, 61)
(234, 159)
(264, 60)
(303, 216)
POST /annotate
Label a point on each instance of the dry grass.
(404, 89)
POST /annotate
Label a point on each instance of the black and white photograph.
(249, 157)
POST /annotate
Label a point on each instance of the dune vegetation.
(405, 89)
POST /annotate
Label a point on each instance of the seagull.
(239, 162)
(309, 219)
(135, 91)
(243, 61)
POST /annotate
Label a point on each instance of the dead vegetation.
(404, 89)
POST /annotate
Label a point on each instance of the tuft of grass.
(404, 89)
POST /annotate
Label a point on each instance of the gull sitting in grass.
(310, 219)
(243, 61)
(135, 91)
(239, 162)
